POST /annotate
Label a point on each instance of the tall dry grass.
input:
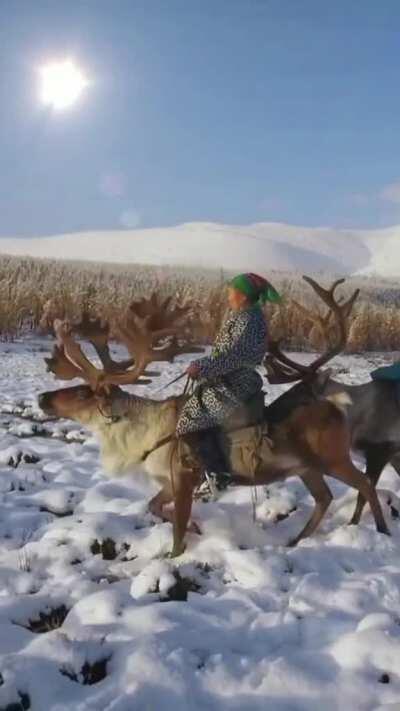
(26, 285)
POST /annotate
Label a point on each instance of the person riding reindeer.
(227, 378)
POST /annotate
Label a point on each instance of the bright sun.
(62, 83)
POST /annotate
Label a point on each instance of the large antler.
(61, 366)
(281, 368)
(52, 309)
(97, 332)
(150, 330)
(68, 357)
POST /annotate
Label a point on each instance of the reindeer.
(136, 432)
(374, 408)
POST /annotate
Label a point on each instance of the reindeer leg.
(163, 498)
(346, 471)
(377, 458)
(184, 485)
(157, 503)
(321, 492)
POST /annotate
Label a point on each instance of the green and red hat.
(256, 288)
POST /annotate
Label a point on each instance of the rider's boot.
(206, 447)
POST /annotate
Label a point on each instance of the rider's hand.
(193, 371)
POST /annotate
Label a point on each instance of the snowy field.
(94, 616)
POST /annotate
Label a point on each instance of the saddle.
(244, 439)
(232, 446)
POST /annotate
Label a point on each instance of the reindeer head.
(151, 331)
(73, 403)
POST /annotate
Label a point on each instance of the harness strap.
(161, 442)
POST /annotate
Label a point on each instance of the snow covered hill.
(261, 247)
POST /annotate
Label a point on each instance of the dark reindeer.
(374, 408)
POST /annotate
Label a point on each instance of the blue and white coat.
(228, 376)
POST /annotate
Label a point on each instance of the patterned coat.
(228, 376)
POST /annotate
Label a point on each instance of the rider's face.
(237, 300)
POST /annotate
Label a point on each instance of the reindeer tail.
(341, 400)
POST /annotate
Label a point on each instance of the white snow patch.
(262, 625)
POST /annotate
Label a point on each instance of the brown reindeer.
(138, 433)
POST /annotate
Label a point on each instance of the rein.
(110, 419)
(114, 415)
(187, 391)
(171, 382)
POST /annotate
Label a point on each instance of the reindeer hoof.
(384, 529)
(177, 550)
(354, 521)
(292, 542)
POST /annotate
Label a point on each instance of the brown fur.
(314, 440)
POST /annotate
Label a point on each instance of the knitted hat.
(255, 287)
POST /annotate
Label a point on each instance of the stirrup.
(207, 490)
(210, 480)
(212, 485)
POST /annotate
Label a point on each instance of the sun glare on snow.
(61, 84)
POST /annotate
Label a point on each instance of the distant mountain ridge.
(257, 247)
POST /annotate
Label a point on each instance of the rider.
(227, 378)
(389, 373)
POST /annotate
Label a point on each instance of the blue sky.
(218, 110)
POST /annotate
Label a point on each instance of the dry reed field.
(27, 285)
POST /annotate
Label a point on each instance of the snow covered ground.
(94, 616)
(254, 247)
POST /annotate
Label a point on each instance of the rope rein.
(187, 391)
